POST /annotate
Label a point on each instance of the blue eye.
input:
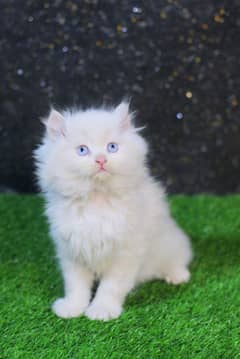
(112, 147)
(82, 150)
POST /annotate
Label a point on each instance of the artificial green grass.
(195, 320)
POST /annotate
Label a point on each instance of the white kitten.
(108, 217)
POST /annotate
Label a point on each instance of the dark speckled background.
(179, 61)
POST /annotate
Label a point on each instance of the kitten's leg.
(175, 253)
(112, 290)
(77, 286)
(169, 254)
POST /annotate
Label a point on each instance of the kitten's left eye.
(82, 150)
(112, 147)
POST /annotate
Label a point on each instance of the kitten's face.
(94, 145)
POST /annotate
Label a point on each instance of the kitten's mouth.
(102, 169)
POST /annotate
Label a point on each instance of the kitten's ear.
(122, 111)
(55, 125)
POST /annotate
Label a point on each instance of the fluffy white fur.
(114, 225)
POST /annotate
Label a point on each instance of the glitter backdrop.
(178, 61)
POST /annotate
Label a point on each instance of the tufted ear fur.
(122, 111)
(55, 125)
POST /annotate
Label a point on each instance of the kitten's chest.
(101, 219)
(93, 230)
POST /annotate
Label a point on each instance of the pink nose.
(101, 159)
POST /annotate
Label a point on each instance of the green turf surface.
(196, 320)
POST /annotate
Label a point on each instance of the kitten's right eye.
(82, 150)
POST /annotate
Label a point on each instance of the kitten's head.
(84, 149)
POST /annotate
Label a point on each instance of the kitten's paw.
(178, 276)
(103, 311)
(68, 308)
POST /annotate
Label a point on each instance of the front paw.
(68, 307)
(106, 310)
